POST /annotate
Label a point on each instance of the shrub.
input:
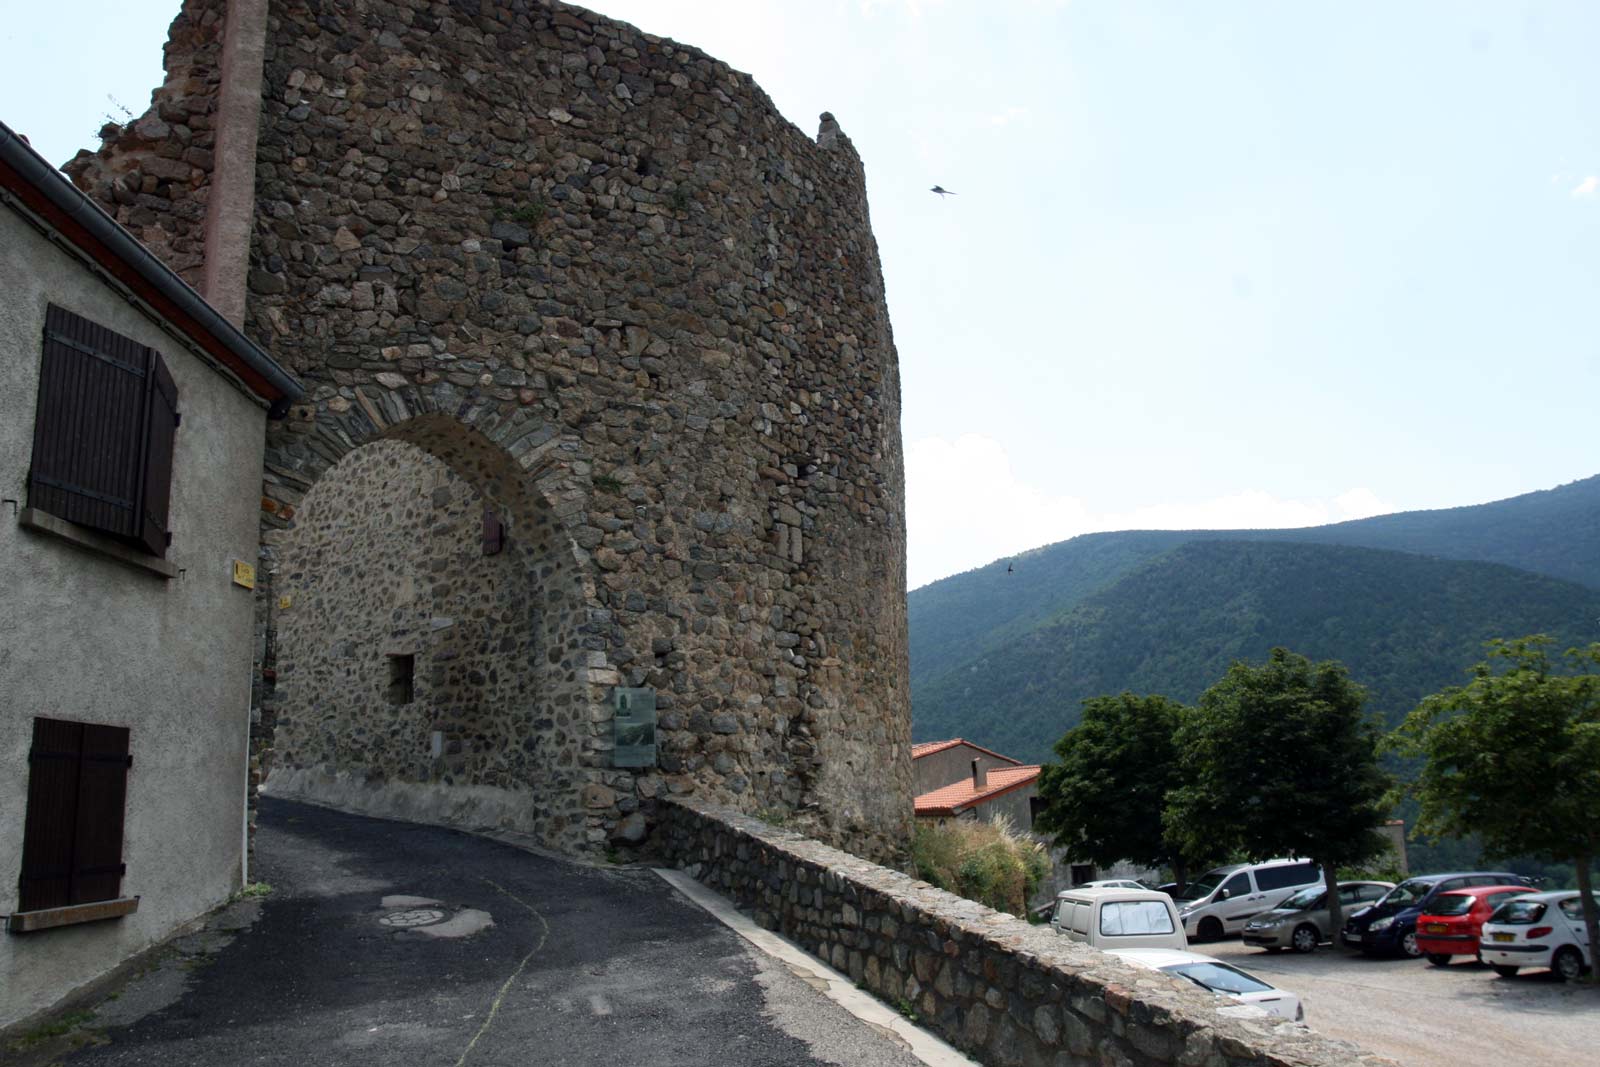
(984, 861)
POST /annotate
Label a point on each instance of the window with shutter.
(72, 841)
(104, 432)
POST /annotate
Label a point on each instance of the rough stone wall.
(386, 558)
(153, 174)
(390, 562)
(607, 260)
(1004, 991)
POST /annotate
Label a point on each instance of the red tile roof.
(928, 748)
(953, 799)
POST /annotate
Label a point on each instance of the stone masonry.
(600, 279)
(1004, 991)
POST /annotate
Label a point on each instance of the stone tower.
(601, 391)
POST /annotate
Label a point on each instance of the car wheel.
(1210, 929)
(1439, 959)
(1567, 964)
(1505, 970)
(1408, 945)
(1305, 938)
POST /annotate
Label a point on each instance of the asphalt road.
(582, 966)
(1463, 1015)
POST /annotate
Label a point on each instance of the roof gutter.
(49, 193)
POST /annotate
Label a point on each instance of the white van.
(1111, 918)
(1220, 902)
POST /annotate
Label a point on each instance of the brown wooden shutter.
(89, 428)
(102, 794)
(77, 788)
(103, 431)
(494, 533)
(161, 429)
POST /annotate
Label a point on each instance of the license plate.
(1502, 937)
(1352, 937)
(1436, 928)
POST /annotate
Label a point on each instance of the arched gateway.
(532, 261)
(425, 623)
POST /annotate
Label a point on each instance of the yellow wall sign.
(244, 574)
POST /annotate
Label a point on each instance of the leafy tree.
(1103, 800)
(1514, 756)
(1283, 762)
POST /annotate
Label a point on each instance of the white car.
(1113, 883)
(1538, 930)
(1118, 918)
(1212, 974)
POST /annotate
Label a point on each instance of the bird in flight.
(942, 191)
(1008, 568)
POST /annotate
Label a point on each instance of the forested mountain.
(1404, 624)
(1554, 532)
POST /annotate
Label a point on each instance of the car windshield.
(1518, 912)
(1451, 904)
(1407, 892)
(1204, 885)
(1305, 900)
(1218, 977)
(1119, 918)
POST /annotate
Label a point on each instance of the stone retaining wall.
(991, 984)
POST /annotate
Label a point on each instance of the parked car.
(1212, 974)
(1449, 926)
(1389, 927)
(1114, 883)
(1220, 902)
(1118, 918)
(1538, 930)
(1301, 922)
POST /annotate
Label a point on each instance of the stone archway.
(413, 672)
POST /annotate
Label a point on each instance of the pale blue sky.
(1210, 263)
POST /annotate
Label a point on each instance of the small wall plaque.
(244, 574)
(633, 724)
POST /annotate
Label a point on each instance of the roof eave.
(49, 195)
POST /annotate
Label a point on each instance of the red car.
(1451, 925)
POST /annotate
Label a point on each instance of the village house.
(956, 779)
(132, 424)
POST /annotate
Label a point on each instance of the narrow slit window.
(402, 678)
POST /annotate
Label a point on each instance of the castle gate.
(529, 259)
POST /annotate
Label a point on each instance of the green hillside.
(1405, 625)
(1555, 532)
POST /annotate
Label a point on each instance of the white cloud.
(1588, 187)
(966, 507)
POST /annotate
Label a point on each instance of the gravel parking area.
(1426, 1016)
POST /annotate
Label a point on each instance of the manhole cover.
(413, 917)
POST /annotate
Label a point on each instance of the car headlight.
(1381, 924)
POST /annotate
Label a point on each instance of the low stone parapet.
(1006, 992)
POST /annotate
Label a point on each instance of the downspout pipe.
(50, 183)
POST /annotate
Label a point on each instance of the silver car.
(1301, 922)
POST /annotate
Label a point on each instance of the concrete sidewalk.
(543, 962)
